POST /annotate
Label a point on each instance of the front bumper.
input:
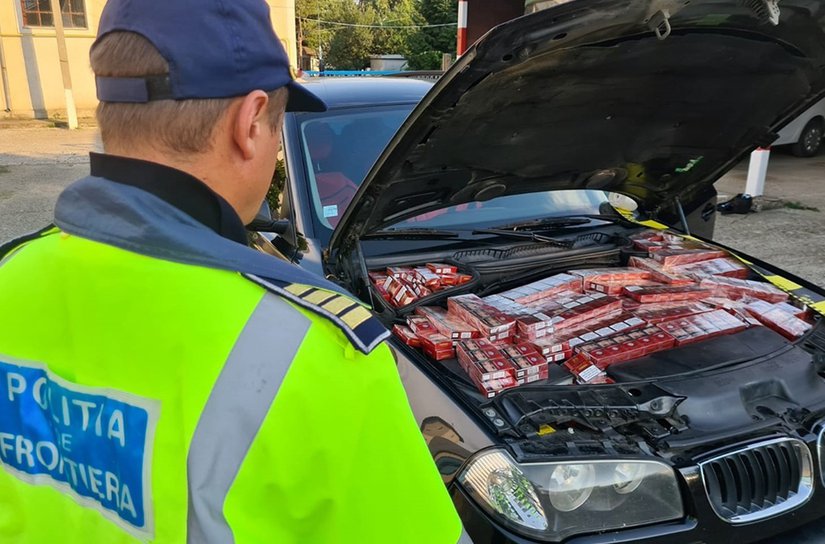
(701, 525)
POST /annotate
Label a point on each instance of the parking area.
(37, 163)
(790, 234)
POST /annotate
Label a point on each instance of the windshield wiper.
(557, 222)
(526, 236)
(411, 234)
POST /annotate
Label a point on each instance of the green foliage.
(273, 196)
(794, 205)
(427, 44)
(349, 47)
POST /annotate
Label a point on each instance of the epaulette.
(354, 319)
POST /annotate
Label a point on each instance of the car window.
(339, 147)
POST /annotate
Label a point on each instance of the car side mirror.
(279, 227)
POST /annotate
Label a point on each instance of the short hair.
(180, 126)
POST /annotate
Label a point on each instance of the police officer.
(161, 381)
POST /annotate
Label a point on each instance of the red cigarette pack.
(489, 321)
(544, 288)
(581, 308)
(419, 290)
(467, 354)
(650, 246)
(582, 367)
(532, 378)
(384, 294)
(658, 272)
(427, 278)
(406, 335)
(420, 325)
(528, 365)
(489, 369)
(401, 272)
(696, 328)
(735, 289)
(565, 340)
(666, 293)
(776, 318)
(378, 278)
(449, 280)
(616, 287)
(431, 351)
(723, 266)
(791, 309)
(436, 341)
(629, 275)
(531, 322)
(401, 293)
(626, 347)
(672, 257)
(455, 279)
(447, 324)
(649, 240)
(737, 308)
(441, 268)
(650, 235)
(492, 388)
(665, 311)
(601, 379)
(434, 344)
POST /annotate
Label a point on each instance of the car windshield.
(510, 209)
(339, 147)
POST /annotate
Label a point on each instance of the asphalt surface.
(37, 163)
(793, 239)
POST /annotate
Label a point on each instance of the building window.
(39, 13)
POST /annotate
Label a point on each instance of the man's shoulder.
(348, 314)
(7, 248)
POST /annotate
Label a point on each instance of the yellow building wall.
(33, 66)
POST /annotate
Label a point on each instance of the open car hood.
(652, 99)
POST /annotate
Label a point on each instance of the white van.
(805, 132)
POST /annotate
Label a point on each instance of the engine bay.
(668, 305)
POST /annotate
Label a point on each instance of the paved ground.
(36, 163)
(793, 239)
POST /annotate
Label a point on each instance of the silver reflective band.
(235, 411)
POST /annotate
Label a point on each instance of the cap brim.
(300, 99)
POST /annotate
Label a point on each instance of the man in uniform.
(160, 381)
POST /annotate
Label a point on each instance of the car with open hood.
(584, 365)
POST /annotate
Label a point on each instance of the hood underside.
(586, 95)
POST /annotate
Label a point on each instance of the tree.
(351, 46)
(392, 14)
(350, 31)
(425, 47)
(312, 33)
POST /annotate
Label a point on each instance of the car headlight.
(553, 501)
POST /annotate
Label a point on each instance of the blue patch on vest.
(93, 444)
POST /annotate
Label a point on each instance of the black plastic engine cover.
(749, 344)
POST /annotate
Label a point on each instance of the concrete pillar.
(71, 110)
(757, 172)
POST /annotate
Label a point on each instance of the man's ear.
(249, 122)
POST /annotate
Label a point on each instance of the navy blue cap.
(214, 48)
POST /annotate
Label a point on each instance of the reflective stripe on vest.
(237, 407)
